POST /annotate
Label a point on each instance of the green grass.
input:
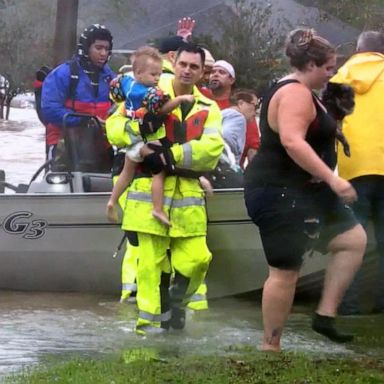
(158, 363)
(247, 366)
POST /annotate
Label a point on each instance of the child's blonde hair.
(141, 56)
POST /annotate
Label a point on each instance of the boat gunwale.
(83, 194)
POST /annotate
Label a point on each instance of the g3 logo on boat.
(20, 223)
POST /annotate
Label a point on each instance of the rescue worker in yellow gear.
(193, 132)
(129, 263)
(168, 47)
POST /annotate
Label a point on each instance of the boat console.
(72, 182)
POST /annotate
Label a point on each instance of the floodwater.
(22, 145)
(37, 326)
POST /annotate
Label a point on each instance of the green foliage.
(245, 367)
(27, 33)
(246, 36)
(123, 11)
(362, 14)
(250, 42)
(22, 45)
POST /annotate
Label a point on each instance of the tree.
(28, 31)
(251, 42)
(26, 39)
(65, 33)
(362, 14)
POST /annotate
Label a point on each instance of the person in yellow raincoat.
(198, 301)
(193, 146)
(168, 47)
(364, 72)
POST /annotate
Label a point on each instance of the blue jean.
(369, 207)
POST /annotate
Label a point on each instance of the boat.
(55, 236)
(62, 240)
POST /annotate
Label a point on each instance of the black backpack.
(42, 73)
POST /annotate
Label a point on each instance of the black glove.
(160, 159)
(150, 124)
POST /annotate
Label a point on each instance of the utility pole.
(64, 45)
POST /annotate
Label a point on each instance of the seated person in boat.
(228, 173)
(221, 84)
(91, 94)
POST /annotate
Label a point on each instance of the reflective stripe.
(186, 202)
(211, 131)
(149, 316)
(129, 287)
(187, 150)
(197, 297)
(158, 318)
(146, 197)
(149, 329)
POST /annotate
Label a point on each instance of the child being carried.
(141, 95)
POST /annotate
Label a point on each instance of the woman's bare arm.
(294, 113)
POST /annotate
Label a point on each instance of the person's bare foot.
(270, 348)
(162, 217)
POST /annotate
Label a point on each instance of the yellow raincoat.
(364, 72)
(183, 202)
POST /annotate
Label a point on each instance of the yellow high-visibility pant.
(129, 263)
(198, 301)
(128, 272)
(189, 256)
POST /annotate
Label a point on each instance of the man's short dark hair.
(191, 48)
(370, 41)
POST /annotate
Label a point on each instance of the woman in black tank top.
(293, 195)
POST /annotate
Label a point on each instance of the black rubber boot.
(177, 293)
(178, 318)
(164, 298)
(325, 325)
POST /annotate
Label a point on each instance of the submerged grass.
(159, 362)
(245, 367)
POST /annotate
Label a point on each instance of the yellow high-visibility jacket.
(183, 197)
(167, 67)
(364, 72)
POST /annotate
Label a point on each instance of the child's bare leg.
(122, 183)
(158, 198)
(206, 185)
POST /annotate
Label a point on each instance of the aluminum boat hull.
(63, 242)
